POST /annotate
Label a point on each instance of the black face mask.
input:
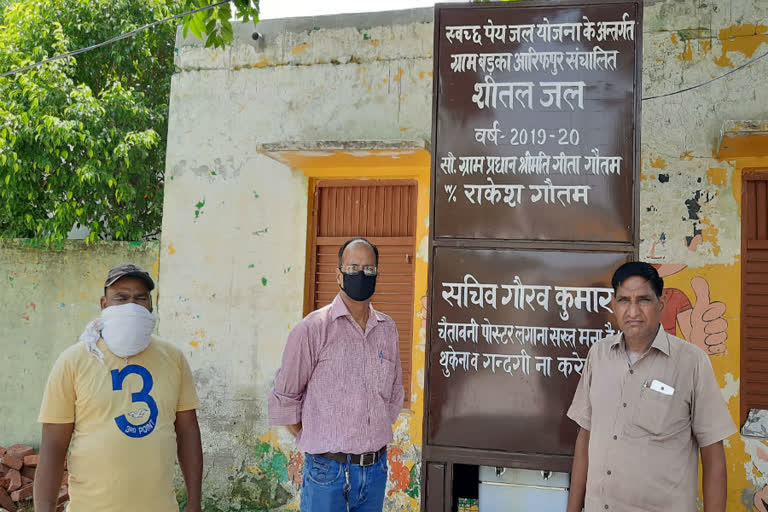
(359, 286)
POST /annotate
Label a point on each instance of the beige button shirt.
(644, 444)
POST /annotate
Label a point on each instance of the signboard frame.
(439, 460)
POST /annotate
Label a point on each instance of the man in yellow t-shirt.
(124, 404)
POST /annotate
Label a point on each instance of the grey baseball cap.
(128, 270)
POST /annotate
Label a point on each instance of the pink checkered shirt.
(344, 385)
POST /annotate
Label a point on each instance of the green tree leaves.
(82, 139)
(214, 25)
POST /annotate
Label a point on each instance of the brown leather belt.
(358, 459)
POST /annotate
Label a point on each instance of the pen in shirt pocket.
(381, 358)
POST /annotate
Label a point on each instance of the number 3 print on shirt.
(142, 396)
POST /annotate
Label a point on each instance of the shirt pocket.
(385, 378)
(656, 415)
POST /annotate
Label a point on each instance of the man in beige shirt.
(647, 403)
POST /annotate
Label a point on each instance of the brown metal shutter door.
(754, 294)
(384, 212)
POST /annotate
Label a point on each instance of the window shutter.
(754, 294)
(384, 212)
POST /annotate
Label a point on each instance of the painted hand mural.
(701, 323)
(761, 499)
(708, 327)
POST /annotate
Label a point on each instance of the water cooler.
(522, 490)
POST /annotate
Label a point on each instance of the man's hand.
(50, 469)
(294, 429)
(190, 453)
(714, 478)
(708, 327)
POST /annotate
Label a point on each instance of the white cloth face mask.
(127, 328)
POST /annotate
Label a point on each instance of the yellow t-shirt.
(123, 449)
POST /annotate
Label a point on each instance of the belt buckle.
(364, 455)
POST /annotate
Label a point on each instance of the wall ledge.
(743, 139)
(343, 145)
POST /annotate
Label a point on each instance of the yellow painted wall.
(747, 459)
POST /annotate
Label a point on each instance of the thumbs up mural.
(761, 500)
(701, 322)
(708, 327)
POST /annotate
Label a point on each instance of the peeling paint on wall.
(658, 163)
(744, 39)
(300, 48)
(717, 176)
(731, 387)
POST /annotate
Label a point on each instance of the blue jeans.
(323, 482)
